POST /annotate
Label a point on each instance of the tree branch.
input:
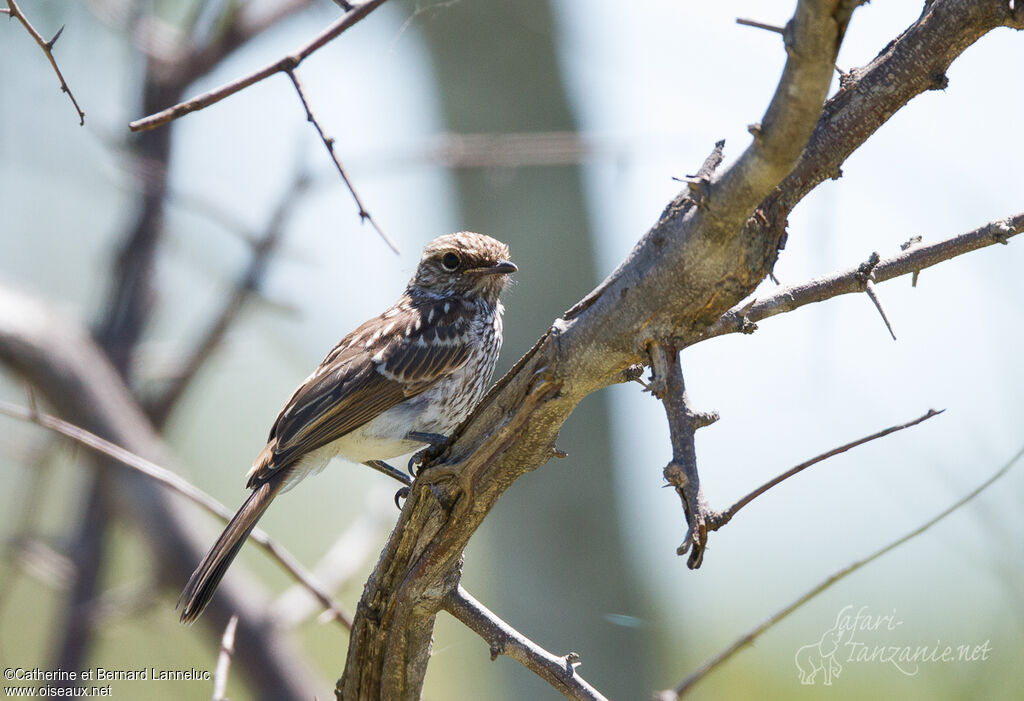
(719, 519)
(14, 12)
(912, 260)
(681, 473)
(559, 672)
(289, 62)
(514, 428)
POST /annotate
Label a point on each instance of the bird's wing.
(361, 378)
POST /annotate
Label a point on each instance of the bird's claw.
(434, 441)
(402, 494)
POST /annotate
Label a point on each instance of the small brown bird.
(402, 380)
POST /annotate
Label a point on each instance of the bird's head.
(463, 264)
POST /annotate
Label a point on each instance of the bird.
(399, 382)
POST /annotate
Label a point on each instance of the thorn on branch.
(343, 4)
(761, 25)
(56, 36)
(869, 287)
(863, 275)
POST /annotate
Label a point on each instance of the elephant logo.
(820, 657)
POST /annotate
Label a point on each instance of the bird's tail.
(203, 582)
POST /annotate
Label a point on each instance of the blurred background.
(580, 554)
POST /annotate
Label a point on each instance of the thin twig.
(329, 143)
(14, 12)
(289, 62)
(183, 487)
(559, 671)
(227, 649)
(749, 637)
(724, 517)
(913, 259)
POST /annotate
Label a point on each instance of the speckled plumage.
(420, 367)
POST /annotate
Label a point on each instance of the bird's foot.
(435, 441)
(401, 494)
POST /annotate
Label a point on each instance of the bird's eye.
(450, 261)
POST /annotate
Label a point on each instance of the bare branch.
(183, 487)
(14, 12)
(723, 517)
(227, 649)
(668, 386)
(329, 143)
(748, 638)
(289, 62)
(911, 260)
(558, 671)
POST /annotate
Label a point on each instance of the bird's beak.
(502, 267)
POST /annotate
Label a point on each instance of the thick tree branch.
(913, 63)
(289, 62)
(912, 260)
(14, 12)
